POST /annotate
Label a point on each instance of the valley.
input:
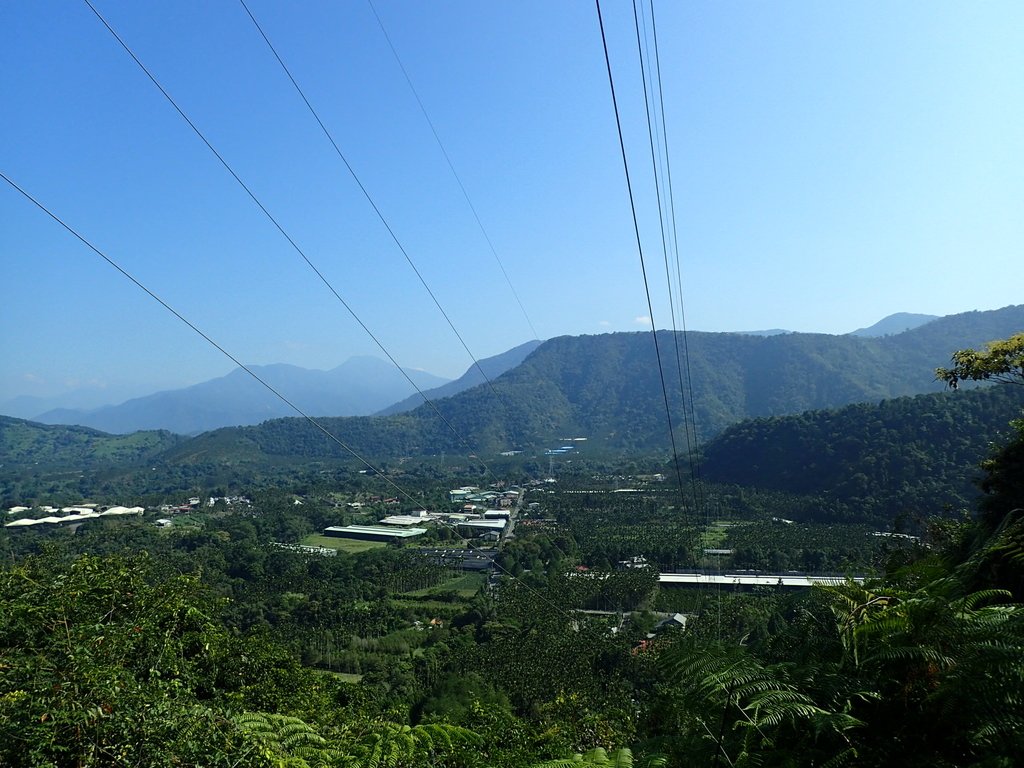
(562, 595)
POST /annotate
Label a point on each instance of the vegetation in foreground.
(205, 644)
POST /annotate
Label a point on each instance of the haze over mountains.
(587, 383)
(608, 389)
(897, 323)
(491, 367)
(887, 326)
(360, 386)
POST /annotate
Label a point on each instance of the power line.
(679, 274)
(451, 167)
(643, 268)
(369, 199)
(693, 451)
(81, 238)
(280, 228)
(652, 133)
(659, 155)
(320, 427)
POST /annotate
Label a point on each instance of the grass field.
(714, 536)
(348, 677)
(467, 585)
(345, 545)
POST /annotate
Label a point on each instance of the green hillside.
(607, 388)
(911, 455)
(29, 444)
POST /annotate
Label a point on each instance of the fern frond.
(290, 739)
(599, 758)
(841, 759)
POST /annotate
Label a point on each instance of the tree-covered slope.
(608, 388)
(491, 367)
(26, 444)
(912, 454)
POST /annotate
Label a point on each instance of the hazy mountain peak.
(893, 324)
(357, 387)
(767, 332)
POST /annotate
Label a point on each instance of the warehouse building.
(373, 532)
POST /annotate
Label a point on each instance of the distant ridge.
(491, 366)
(357, 387)
(893, 324)
(607, 389)
(768, 332)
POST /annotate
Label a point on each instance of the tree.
(999, 361)
(1002, 508)
(107, 661)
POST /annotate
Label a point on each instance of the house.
(675, 621)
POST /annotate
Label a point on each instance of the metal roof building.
(750, 580)
(373, 532)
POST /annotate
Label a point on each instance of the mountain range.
(361, 386)
(489, 368)
(358, 387)
(897, 323)
(608, 388)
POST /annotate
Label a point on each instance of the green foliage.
(283, 740)
(910, 456)
(725, 702)
(1003, 484)
(599, 758)
(203, 652)
(999, 361)
(24, 443)
(948, 666)
(609, 527)
(107, 662)
(290, 741)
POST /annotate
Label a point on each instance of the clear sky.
(833, 163)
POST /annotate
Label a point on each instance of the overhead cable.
(695, 441)
(369, 199)
(278, 226)
(277, 393)
(643, 267)
(659, 156)
(451, 167)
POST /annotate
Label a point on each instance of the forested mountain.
(492, 367)
(25, 444)
(896, 323)
(911, 455)
(607, 388)
(219, 641)
(357, 387)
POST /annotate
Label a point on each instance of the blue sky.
(833, 163)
